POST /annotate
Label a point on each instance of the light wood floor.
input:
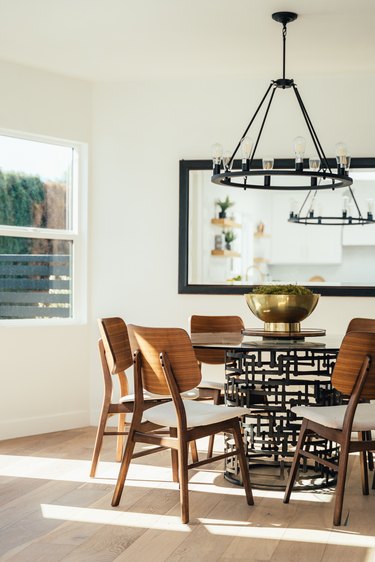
(50, 510)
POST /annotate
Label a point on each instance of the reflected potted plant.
(229, 237)
(224, 206)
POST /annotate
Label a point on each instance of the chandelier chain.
(284, 49)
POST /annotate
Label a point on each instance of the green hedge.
(20, 194)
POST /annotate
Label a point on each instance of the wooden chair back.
(361, 325)
(115, 338)
(176, 343)
(212, 324)
(353, 351)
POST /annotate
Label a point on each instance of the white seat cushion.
(189, 395)
(211, 384)
(197, 413)
(333, 416)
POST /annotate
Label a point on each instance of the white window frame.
(77, 233)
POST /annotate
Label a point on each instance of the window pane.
(35, 278)
(35, 183)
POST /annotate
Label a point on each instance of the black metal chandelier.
(309, 212)
(314, 173)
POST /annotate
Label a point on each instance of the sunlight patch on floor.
(218, 527)
(325, 536)
(140, 476)
(113, 517)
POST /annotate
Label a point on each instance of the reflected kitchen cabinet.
(302, 244)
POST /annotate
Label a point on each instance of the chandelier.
(311, 213)
(314, 173)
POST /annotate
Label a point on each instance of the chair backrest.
(353, 351)
(115, 338)
(361, 325)
(212, 324)
(177, 344)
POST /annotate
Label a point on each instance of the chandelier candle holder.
(318, 174)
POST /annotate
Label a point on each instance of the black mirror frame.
(183, 274)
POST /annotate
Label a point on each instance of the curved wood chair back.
(353, 351)
(115, 338)
(361, 325)
(176, 343)
(207, 324)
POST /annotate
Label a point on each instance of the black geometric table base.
(270, 381)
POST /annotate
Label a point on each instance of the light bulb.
(299, 151)
(267, 163)
(246, 147)
(299, 147)
(341, 149)
(217, 152)
(370, 206)
(226, 159)
(342, 158)
(345, 203)
(293, 208)
(314, 163)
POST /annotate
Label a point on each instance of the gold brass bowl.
(282, 313)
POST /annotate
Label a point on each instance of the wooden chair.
(353, 375)
(364, 325)
(211, 324)
(166, 364)
(116, 356)
(361, 325)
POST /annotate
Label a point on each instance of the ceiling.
(117, 40)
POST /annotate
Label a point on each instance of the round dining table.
(268, 376)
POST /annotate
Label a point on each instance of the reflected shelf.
(226, 223)
(225, 253)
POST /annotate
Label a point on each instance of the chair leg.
(373, 482)
(340, 487)
(194, 451)
(370, 453)
(183, 478)
(362, 436)
(216, 400)
(243, 462)
(295, 463)
(174, 456)
(125, 463)
(120, 438)
(99, 439)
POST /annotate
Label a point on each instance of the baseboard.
(23, 427)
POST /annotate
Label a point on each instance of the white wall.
(140, 132)
(44, 370)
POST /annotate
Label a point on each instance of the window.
(42, 270)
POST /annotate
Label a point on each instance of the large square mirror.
(252, 242)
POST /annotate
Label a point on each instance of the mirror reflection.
(239, 237)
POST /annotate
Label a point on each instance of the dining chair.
(116, 357)
(165, 364)
(354, 376)
(213, 324)
(361, 325)
(364, 325)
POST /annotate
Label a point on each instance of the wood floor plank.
(50, 511)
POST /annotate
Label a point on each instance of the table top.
(228, 340)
